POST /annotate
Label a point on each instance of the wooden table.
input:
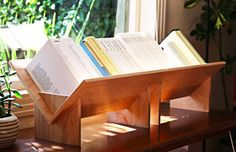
(189, 128)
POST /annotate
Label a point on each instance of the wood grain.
(136, 114)
(175, 83)
(155, 97)
(165, 137)
(19, 66)
(52, 101)
(133, 92)
(199, 100)
(66, 130)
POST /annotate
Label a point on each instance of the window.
(142, 16)
(60, 18)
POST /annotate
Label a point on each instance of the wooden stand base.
(131, 99)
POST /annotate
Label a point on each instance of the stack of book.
(61, 65)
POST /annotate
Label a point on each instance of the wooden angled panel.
(101, 94)
(53, 102)
(199, 100)
(98, 95)
(19, 66)
(180, 82)
(66, 130)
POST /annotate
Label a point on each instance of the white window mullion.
(134, 15)
(161, 20)
(148, 17)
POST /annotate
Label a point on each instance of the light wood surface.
(155, 97)
(66, 130)
(128, 97)
(190, 127)
(136, 114)
(199, 100)
(175, 83)
(19, 66)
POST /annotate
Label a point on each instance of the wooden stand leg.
(66, 130)
(199, 100)
(138, 113)
(155, 91)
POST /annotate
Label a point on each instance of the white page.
(117, 51)
(50, 72)
(79, 55)
(145, 51)
(180, 52)
(76, 59)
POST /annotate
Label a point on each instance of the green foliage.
(2, 112)
(63, 17)
(102, 17)
(222, 15)
(6, 92)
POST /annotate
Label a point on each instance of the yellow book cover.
(190, 47)
(99, 53)
(94, 55)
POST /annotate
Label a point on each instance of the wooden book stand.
(131, 99)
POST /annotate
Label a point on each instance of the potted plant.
(9, 125)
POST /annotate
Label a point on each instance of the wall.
(185, 20)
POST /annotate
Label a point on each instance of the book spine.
(102, 69)
(101, 55)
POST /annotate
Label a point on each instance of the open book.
(179, 49)
(61, 65)
(128, 53)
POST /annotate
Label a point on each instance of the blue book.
(103, 70)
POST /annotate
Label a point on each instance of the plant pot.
(9, 130)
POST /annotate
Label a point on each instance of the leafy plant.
(217, 19)
(6, 92)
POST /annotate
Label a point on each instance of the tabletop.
(178, 128)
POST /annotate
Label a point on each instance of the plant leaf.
(16, 104)
(2, 112)
(10, 99)
(218, 23)
(191, 3)
(17, 94)
(12, 73)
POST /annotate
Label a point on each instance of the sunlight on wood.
(35, 144)
(86, 140)
(96, 128)
(57, 147)
(118, 128)
(165, 119)
(106, 133)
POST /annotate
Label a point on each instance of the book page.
(117, 51)
(50, 72)
(76, 59)
(145, 51)
(181, 52)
